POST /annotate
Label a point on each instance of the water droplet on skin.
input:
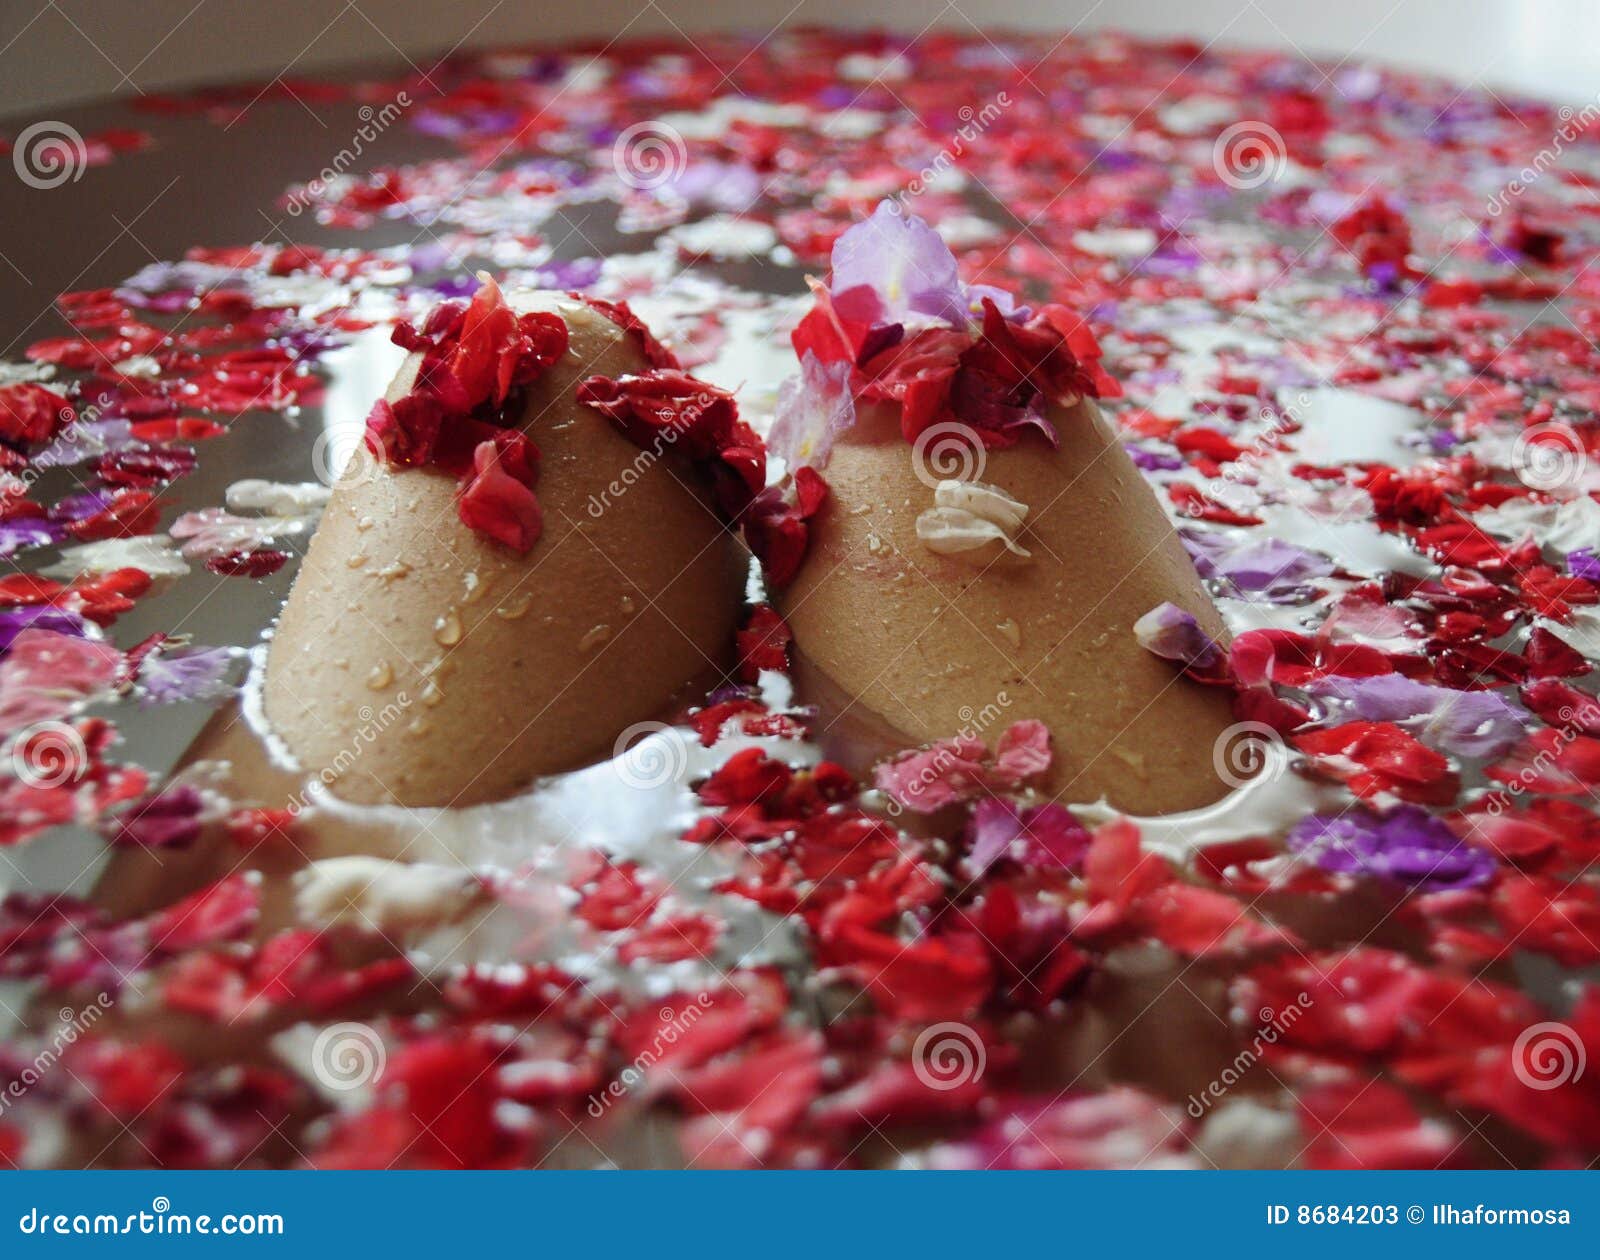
(447, 630)
(380, 676)
(1011, 631)
(431, 694)
(513, 609)
(420, 726)
(356, 560)
(365, 523)
(627, 606)
(600, 634)
(477, 588)
(398, 569)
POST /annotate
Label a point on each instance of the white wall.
(55, 51)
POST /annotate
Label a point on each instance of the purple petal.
(185, 674)
(1175, 635)
(1408, 845)
(575, 273)
(731, 186)
(27, 532)
(40, 617)
(1153, 461)
(905, 262)
(1466, 723)
(1257, 564)
(1271, 565)
(814, 408)
(78, 507)
(1584, 563)
(1004, 300)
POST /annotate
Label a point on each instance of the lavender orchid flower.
(905, 263)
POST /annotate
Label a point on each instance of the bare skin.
(922, 645)
(1132, 1023)
(426, 665)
